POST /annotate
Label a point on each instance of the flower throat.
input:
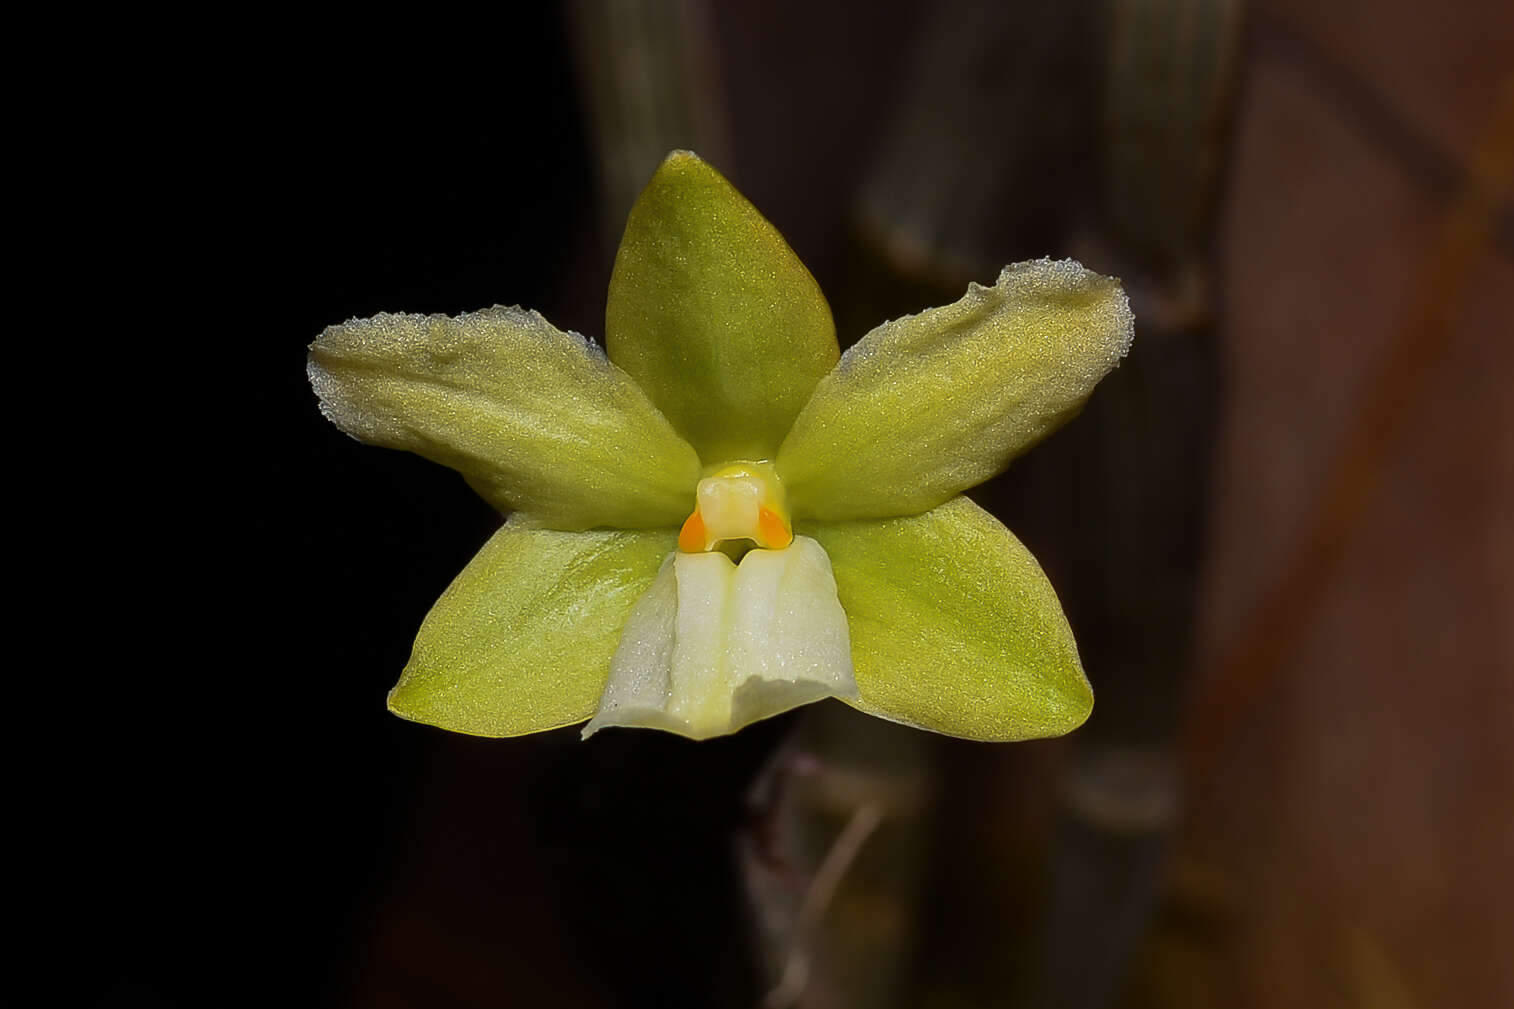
(737, 507)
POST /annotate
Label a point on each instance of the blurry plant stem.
(822, 888)
(1386, 413)
(832, 859)
(650, 76)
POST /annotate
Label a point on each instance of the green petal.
(954, 626)
(713, 314)
(537, 419)
(926, 406)
(521, 640)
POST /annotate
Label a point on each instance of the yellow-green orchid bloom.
(721, 517)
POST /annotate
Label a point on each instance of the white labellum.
(712, 646)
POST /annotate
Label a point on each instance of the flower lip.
(738, 501)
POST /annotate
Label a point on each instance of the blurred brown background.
(1283, 530)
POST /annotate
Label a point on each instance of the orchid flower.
(720, 517)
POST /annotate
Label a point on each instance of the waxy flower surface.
(720, 517)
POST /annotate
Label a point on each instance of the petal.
(713, 647)
(926, 406)
(536, 419)
(713, 314)
(521, 640)
(954, 626)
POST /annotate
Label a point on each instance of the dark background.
(1342, 842)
